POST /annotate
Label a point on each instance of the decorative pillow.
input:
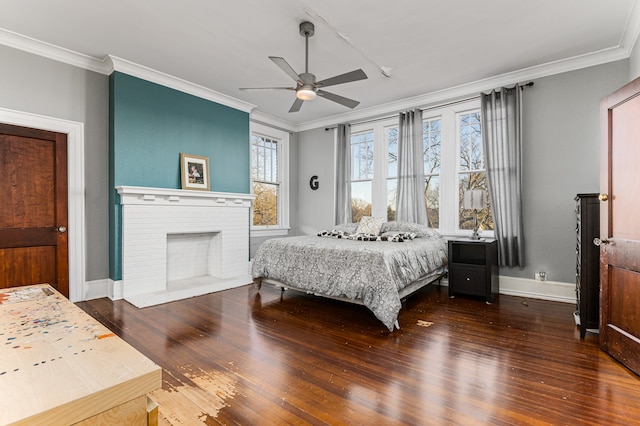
(421, 231)
(370, 225)
(348, 228)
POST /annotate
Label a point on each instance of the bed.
(377, 269)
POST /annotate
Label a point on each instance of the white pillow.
(370, 225)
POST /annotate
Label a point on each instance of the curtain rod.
(522, 86)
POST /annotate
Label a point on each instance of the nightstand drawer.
(468, 279)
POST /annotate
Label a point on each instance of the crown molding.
(112, 63)
(631, 29)
(272, 121)
(475, 88)
(149, 74)
(47, 50)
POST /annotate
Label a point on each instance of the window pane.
(432, 148)
(255, 164)
(392, 145)
(485, 218)
(360, 200)
(472, 174)
(432, 200)
(265, 205)
(273, 175)
(264, 159)
(362, 156)
(432, 143)
(470, 142)
(392, 193)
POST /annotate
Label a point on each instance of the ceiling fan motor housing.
(307, 78)
(307, 29)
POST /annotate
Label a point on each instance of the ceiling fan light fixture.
(307, 88)
(306, 93)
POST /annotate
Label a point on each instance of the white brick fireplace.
(178, 244)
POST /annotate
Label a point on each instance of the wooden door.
(620, 226)
(33, 208)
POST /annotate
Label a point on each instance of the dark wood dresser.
(587, 262)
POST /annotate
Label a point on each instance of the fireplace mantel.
(163, 196)
(154, 217)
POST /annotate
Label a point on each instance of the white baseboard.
(116, 290)
(105, 287)
(532, 289)
(546, 290)
(95, 289)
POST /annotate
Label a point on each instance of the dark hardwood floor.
(246, 357)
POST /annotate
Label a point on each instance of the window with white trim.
(471, 169)
(361, 174)
(453, 162)
(432, 155)
(391, 142)
(269, 180)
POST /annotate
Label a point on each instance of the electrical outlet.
(540, 276)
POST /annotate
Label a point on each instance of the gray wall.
(30, 83)
(316, 158)
(561, 159)
(561, 156)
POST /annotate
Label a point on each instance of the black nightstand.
(473, 268)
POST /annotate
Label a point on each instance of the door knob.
(598, 241)
(62, 229)
(603, 197)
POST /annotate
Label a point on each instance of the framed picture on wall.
(194, 172)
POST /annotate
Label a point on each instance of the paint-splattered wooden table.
(59, 366)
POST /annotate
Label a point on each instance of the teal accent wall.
(150, 125)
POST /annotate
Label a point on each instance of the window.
(269, 165)
(432, 143)
(471, 170)
(374, 179)
(391, 138)
(453, 162)
(361, 174)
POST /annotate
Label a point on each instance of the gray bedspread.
(369, 271)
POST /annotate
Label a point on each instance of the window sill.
(269, 232)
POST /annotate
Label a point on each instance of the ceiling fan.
(307, 88)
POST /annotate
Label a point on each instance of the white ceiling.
(433, 49)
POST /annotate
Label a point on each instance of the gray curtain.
(343, 174)
(502, 141)
(410, 203)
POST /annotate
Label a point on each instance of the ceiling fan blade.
(343, 78)
(339, 99)
(296, 105)
(284, 66)
(267, 88)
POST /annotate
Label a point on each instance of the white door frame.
(75, 181)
